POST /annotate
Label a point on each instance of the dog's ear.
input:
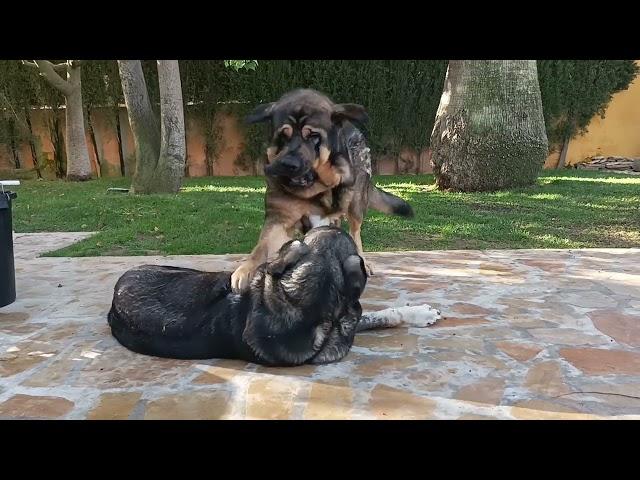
(290, 253)
(349, 111)
(355, 276)
(261, 113)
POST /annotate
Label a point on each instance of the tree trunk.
(14, 147)
(563, 154)
(37, 165)
(94, 144)
(78, 163)
(209, 145)
(119, 136)
(186, 161)
(144, 126)
(489, 132)
(57, 142)
(171, 163)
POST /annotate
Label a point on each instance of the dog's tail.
(387, 203)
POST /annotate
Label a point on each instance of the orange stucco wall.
(618, 134)
(228, 159)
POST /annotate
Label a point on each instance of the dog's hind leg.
(409, 316)
(355, 225)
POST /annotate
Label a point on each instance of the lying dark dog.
(303, 307)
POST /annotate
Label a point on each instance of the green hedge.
(401, 95)
(574, 91)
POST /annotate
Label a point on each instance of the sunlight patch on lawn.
(222, 189)
(616, 180)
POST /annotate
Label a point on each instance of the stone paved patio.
(527, 334)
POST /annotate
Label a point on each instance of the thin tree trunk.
(144, 126)
(57, 143)
(14, 148)
(186, 162)
(563, 154)
(119, 136)
(78, 163)
(32, 145)
(489, 132)
(208, 154)
(209, 147)
(171, 164)
(94, 143)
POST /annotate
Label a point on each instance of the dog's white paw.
(418, 316)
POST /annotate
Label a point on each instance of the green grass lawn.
(567, 209)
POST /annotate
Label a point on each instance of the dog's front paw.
(419, 316)
(241, 278)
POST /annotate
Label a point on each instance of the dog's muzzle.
(290, 165)
(303, 180)
(291, 177)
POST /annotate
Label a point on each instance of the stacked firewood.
(623, 164)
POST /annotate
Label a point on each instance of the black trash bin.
(7, 269)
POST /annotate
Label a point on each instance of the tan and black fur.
(318, 172)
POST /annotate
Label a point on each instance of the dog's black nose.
(290, 164)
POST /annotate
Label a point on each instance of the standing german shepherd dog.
(318, 172)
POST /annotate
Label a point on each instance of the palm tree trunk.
(489, 132)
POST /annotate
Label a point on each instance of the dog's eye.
(280, 141)
(315, 138)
